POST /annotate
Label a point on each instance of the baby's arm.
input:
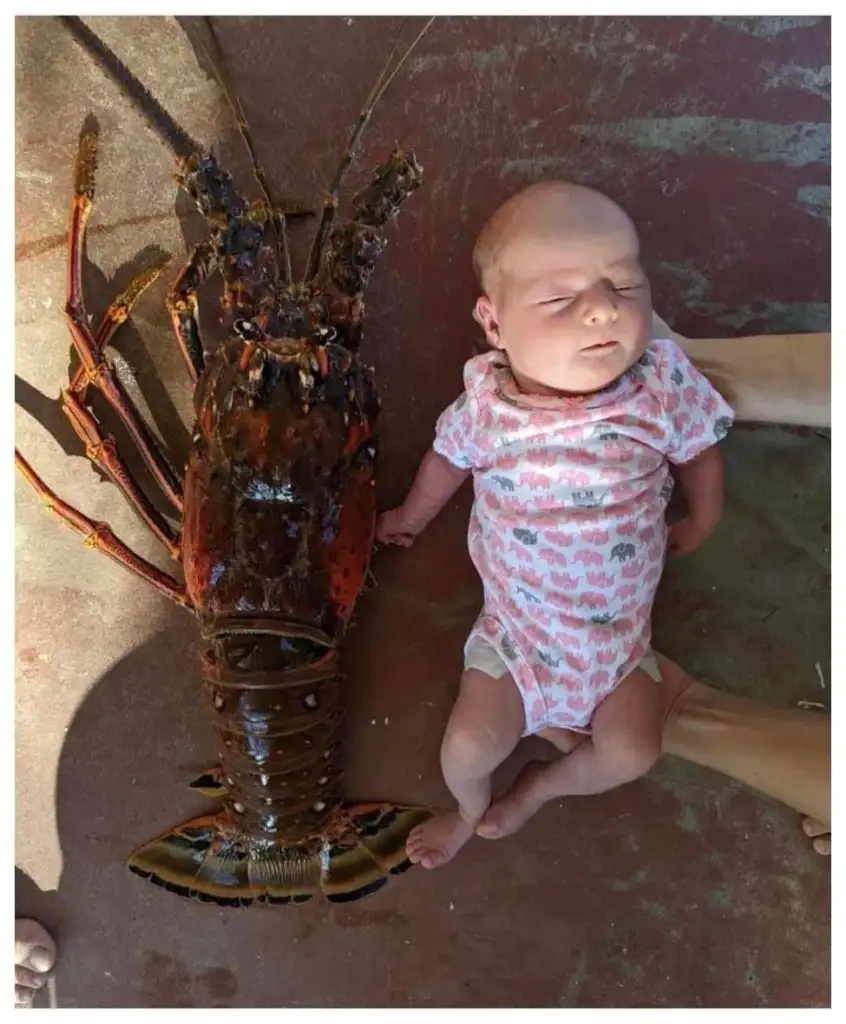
(698, 418)
(436, 482)
(445, 467)
(701, 481)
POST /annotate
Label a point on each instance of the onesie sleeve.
(698, 417)
(459, 432)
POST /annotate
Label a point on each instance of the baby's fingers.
(403, 540)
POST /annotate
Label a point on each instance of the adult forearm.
(766, 378)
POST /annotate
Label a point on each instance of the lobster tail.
(203, 860)
(284, 833)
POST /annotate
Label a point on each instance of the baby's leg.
(485, 726)
(624, 744)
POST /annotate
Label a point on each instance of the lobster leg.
(117, 314)
(182, 306)
(100, 536)
(104, 451)
(95, 370)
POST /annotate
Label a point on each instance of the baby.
(569, 427)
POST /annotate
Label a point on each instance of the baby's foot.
(513, 810)
(821, 834)
(35, 954)
(438, 840)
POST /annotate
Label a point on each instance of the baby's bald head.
(546, 212)
(563, 292)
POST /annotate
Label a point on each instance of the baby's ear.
(485, 316)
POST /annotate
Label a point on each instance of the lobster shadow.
(128, 753)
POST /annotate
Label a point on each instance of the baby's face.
(572, 315)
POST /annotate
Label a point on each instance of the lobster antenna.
(330, 204)
(384, 72)
(218, 64)
(403, 59)
(175, 138)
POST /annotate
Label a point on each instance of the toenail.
(40, 959)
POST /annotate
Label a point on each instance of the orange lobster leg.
(99, 535)
(103, 451)
(116, 315)
(95, 369)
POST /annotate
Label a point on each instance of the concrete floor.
(679, 890)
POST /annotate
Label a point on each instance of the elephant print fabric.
(567, 530)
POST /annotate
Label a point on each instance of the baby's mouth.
(600, 347)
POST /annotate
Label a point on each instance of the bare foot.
(513, 810)
(35, 954)
(821, 834)
(438, 840)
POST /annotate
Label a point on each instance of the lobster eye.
(246, 329)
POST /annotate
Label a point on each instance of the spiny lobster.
(277, 505)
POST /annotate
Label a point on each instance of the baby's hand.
(685, 536)
(393, 528)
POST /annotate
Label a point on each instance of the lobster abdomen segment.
(278, 733)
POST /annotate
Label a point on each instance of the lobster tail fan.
(364, 866)
(198, 860)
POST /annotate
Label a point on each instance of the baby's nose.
(600, 307)
(600, 314)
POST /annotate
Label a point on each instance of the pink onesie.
(567, 530)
